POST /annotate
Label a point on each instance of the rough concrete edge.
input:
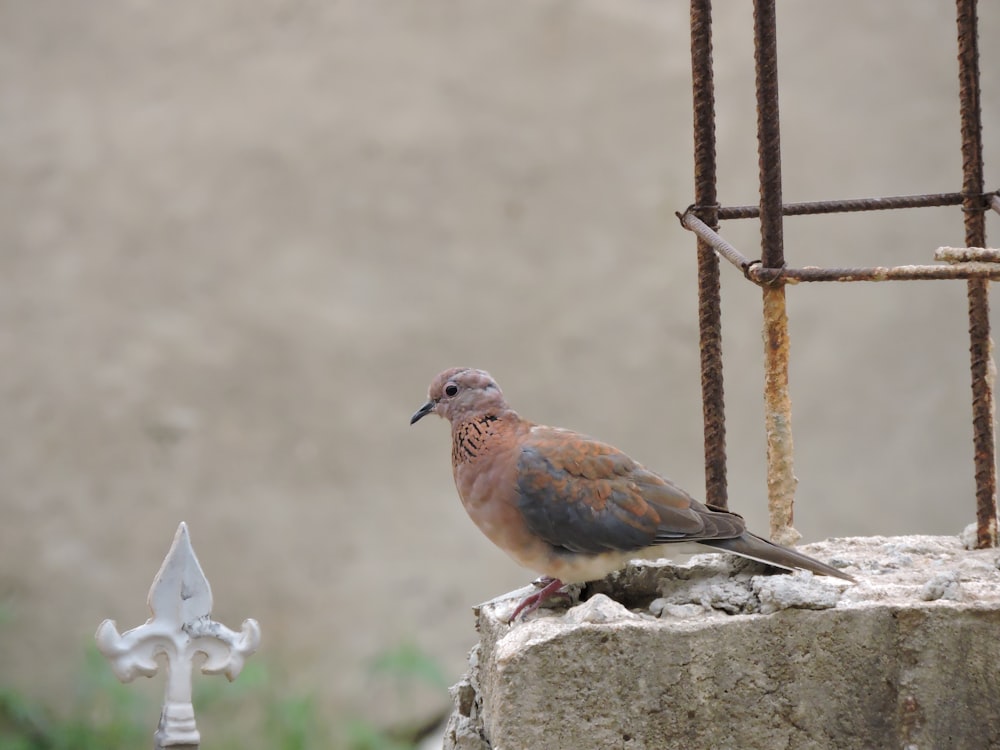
(717, 587)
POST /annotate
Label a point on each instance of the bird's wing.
(586, 496)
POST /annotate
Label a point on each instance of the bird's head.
(462, 393)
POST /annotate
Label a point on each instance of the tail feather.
(769, 553)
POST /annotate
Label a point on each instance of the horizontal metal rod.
(763, 275)
(967, 254)
(854, 204)
(757, 273)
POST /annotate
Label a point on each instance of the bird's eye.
(451, 389)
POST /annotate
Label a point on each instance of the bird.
(571, 507)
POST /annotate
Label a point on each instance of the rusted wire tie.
(690, 221)
(858, 204)
(757, 273)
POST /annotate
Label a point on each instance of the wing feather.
(582, 495)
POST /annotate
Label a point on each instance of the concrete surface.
(238, 239)
(714, 655)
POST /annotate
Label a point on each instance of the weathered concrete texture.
(905, 658)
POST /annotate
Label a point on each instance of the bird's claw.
(550, 588)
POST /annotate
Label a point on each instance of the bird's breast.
(484, 454)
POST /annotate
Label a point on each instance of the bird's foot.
(550, 588)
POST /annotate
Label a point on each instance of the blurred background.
(239, 239)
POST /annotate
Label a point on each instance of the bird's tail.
(769, 553)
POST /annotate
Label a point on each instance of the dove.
(571, 507)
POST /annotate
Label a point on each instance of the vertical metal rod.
(981, 345)
(777, 402)
(768, 133)
(709, 295)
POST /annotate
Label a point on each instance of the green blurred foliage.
(255, 710)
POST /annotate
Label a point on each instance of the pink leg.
(533, 602)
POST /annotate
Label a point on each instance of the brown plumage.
(571, 507)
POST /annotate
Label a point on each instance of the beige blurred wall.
(237, 240)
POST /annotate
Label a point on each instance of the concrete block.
(719, 654)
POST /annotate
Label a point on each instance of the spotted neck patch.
(471, 439)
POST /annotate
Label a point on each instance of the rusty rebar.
(755, 271)
(981, 345)
(975, 263)
(967, 254)
(981, 271)
(781, 481)
(709, 292)
(847, 205)
(777, 401)
(768, 133)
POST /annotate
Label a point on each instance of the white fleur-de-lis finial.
(181, 627)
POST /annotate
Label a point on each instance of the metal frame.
(975, 263)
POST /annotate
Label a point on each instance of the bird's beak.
(423, 411)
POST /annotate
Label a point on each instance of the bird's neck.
(473, 437)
